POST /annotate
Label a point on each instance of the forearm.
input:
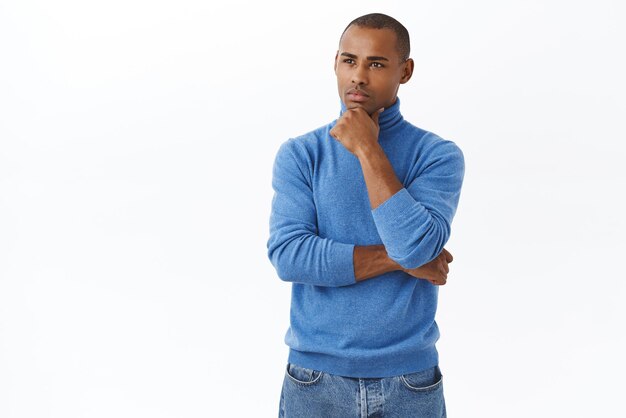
(380, 179)
(308, 259)
(412, 217)
(371, 261)
(294, 247)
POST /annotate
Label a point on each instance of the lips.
(355, 95)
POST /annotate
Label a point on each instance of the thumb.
(449, 257)
(376, 114)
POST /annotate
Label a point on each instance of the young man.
(361, 212)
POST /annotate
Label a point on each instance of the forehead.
(367, 42)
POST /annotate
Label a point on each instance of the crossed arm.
(371, 261)
(413, 232)
(358, 132)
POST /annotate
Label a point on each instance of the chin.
(353, 105)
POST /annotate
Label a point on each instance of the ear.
(335, 65)
(407, 71)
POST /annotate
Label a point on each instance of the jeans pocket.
(302, 375)
(424, 381)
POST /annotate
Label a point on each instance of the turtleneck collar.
(388, 118)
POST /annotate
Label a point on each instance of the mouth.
(355, 95)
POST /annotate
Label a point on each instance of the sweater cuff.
(398, 221)
(344, 262)
(391, 209)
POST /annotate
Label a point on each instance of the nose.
(359, 75)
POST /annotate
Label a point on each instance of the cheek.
(390, 89)
(344, 77)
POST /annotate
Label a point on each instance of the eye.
(377, 65)
(349, 61)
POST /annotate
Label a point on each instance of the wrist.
(371, 261)
(386, 262)
(368, 150)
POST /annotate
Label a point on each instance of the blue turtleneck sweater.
(384, 326)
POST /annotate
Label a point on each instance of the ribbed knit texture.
(384, 326)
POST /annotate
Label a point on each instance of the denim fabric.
(310, 393)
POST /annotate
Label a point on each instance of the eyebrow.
(372, 58)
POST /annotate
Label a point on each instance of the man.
(361, 212)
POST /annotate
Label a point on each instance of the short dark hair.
(382, 21)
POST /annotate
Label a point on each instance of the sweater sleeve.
(294, 248)
(414, 224)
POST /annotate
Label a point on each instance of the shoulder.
(314, 137)
(299, 154)
(433, 149)
(436, 145)
(442, 147)
(306, 146)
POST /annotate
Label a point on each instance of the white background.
(137, 140)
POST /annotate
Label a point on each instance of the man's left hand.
(356, 130)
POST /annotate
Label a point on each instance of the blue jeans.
(310, 393)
